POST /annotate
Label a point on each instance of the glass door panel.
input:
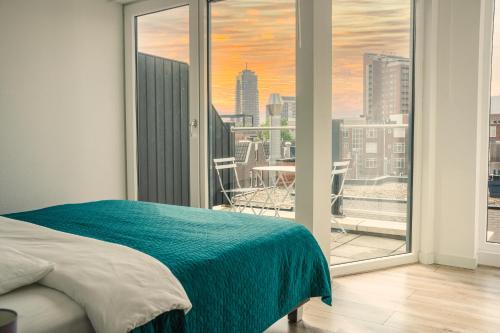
(163, 108)
(372, 129)
(252, 111)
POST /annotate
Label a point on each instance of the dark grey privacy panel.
(222, 145)
(163, 130)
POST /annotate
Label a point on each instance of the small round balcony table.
(278, 171)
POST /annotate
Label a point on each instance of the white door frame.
(488, 253)
(196, 93)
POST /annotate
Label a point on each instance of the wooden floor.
(414, 298)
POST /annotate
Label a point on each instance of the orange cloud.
(261, 33)
(495, 80)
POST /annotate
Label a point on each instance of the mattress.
(241, 272)
(44, 310)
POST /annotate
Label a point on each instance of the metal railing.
(293, 128)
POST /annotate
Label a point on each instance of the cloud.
(261, 33)
(495, 80)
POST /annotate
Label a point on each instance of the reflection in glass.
(372, 119)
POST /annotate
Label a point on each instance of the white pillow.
(18, 269)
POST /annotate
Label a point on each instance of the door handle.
(192, 124)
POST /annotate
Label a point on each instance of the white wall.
(61, 102)
(451, 66)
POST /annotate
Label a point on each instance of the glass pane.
(252, 116)
(163, 106)
(493, 232)
(165, 34)
(372, 120)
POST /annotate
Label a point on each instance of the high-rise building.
(289, 109)
(387, 88)
(247, 95)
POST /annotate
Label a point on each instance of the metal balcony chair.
(339, 172)
(238, 197)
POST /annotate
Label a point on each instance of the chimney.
(274, 109)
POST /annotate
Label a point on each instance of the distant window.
(345, 133)
(399, 148)
(493, 131)
(371, 133)
(357, 138)
(371, 148)
(398, 163)
(371, 163)
(346, 147)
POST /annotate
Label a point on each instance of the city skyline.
(262, 34)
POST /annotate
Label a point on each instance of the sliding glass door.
(253, 106)
(372, 129)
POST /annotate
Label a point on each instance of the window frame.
(399, 150)
(371, 163)
(371, 133)
(398, 163)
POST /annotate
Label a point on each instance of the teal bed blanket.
(241, 272)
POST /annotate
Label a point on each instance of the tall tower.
(387, 88)
(247, 95)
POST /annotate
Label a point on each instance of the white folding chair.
(339, 172)
(238, 197)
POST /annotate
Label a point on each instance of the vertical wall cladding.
(163, 133)
(163, 130)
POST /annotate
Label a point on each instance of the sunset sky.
(261, 33)
(495, 82)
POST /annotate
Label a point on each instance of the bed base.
(296, 315)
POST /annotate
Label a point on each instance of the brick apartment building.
(375, 150)
(377, 143)
(495, 135)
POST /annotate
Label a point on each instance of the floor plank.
(412, 298)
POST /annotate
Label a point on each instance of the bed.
(241, 273)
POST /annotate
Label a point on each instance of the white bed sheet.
(120, 288)
(45, 310)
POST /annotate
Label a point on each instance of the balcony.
(370, 218)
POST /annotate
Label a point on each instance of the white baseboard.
(489, 258)
(455, 261)
(426, 258)
(485, 258)
(372, 265)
